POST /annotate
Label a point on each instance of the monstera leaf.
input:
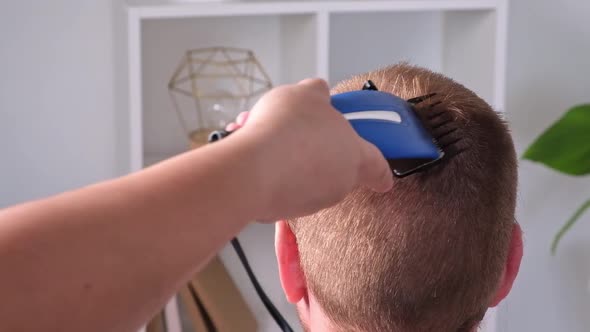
(565, 147)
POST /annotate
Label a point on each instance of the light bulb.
(216, 113)
(218, 116)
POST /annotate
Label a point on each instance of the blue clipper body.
(389, 122)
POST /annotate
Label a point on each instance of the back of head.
(428, 255)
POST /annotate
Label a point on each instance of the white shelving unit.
(465, 39)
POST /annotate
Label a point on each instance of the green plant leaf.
(568, 224)
(565, 146)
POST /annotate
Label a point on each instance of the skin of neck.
(313, 317)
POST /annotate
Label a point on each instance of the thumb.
(375, 172)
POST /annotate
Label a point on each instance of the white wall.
(57, 130)
(56, 98)
(548, 71)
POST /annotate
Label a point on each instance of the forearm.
(105, 257)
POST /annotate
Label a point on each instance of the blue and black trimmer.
(392, 125)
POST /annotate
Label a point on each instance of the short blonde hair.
(429, 254)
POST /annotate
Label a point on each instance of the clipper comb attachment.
(440, 123)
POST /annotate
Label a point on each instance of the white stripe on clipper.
(374, 115)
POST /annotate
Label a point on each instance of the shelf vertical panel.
(323, 45)
(470, 51)
(501, 41)
(135, 92)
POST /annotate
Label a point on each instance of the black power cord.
(270, 307)
(274, 312)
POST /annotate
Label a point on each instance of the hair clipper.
(391, 124)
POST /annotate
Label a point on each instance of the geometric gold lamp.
(212, 85)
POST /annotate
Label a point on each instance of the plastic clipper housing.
(391, 124)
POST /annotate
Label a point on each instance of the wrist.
(257, 171)
(253, 172)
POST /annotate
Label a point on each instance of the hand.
(313, 158)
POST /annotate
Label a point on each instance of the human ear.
(290, 271)
(512, 266)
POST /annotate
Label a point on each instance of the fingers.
(375, 172)
(232, 126)
(317, 84)
(242, 118)
(240, 122)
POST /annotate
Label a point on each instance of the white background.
(57, 129)
(548, 71)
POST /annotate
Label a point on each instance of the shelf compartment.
(461, 44)
(285, 45)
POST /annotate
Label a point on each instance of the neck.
(313, 317)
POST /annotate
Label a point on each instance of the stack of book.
(210, 302)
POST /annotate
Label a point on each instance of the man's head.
(430, 255)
